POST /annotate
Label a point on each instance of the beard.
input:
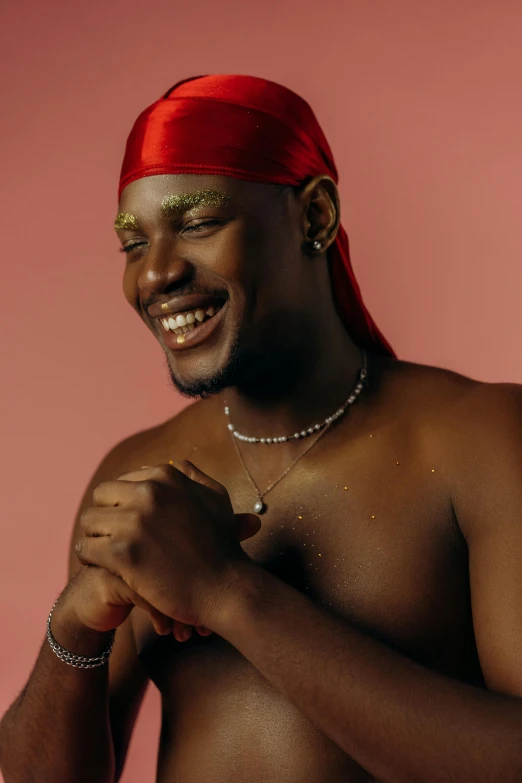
(228, 375)
(262, 364)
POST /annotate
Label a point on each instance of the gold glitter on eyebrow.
(176, 205)
(125, 220)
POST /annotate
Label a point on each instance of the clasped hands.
(170, 533)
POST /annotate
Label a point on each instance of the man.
(369, 627)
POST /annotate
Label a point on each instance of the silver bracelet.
(79, 661)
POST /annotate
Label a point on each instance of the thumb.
(162, 624)
(247, 525)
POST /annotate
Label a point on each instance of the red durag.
(252, 129)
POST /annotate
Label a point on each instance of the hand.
(170, 533)
(101, 601)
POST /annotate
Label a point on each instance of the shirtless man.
(369, 625)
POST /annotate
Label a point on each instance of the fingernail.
(187, 633)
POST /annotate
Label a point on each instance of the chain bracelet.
(79, 661)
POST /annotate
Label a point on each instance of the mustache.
(185, 291)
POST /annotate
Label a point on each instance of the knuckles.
(126, 550)
(99, 492)
(148, 492)
(84, 519)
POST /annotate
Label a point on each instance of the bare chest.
(369, 534)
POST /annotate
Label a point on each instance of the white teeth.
(182, 323)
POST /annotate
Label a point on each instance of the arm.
(68, 723)
(400, 721)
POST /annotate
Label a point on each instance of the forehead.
(146, 195)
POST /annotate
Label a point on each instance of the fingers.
(102, 521)
(193, 472)
(161, 623)
(118, 492)
(184, 467)
(181, 631)
(123, 490)
(202, 630)
(96, 550)
(247, 525)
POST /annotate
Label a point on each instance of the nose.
(163, 270)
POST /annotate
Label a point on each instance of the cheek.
(230, 259)
(130, 286)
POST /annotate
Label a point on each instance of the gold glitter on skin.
(175, 206)
(126, 220)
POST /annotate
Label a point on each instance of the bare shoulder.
(173, 439)
(474, 429)
(460, 421)
(442, 397)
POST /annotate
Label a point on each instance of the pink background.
(421, 104)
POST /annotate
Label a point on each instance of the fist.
(170, 533)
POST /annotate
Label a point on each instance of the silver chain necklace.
(260, 506)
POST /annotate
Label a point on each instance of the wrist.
(242, 589)
(69, 632)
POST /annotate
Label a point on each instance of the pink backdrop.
(421, 104)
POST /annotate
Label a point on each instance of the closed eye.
(132, 246)
(204, 224)
(191, 229)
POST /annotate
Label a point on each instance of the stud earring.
(316, 244)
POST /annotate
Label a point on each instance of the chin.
(198, 387)
(209, 384)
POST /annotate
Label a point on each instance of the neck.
(321, 379)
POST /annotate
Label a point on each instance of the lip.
(196, 336)
(181, 304)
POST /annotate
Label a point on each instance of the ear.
(321, 213)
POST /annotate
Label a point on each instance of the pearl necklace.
(260, 506)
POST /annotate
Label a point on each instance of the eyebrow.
(175, 206)
(126, 220)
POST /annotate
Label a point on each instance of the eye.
(204, 224)
(131, 246)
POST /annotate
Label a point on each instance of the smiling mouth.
(189, 321)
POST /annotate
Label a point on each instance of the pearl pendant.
(260, 507)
